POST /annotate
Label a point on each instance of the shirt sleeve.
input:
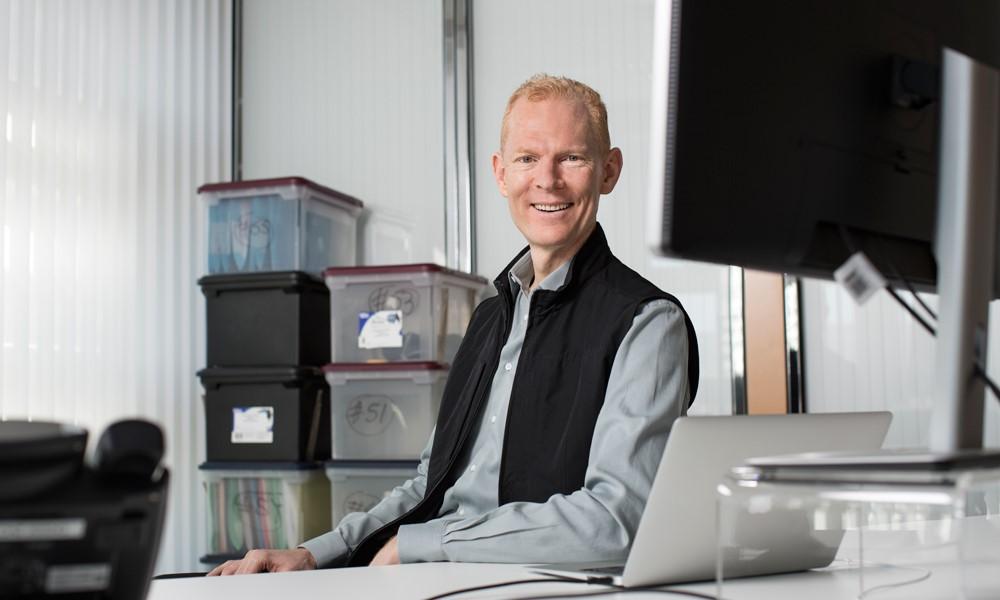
(647, 390)
(332, 548)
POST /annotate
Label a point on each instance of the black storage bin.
(266, 319)
(268, 414)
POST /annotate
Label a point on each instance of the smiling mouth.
(551, 208)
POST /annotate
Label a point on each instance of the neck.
(544, 260)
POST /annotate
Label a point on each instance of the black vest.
(570, 343)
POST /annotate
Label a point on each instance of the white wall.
(349, 93)
(607, 45)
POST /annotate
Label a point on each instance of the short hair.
(543, 87)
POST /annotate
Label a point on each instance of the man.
(561, 397)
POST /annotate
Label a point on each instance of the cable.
(491, 586)
(925, 574)
(910, 310)
(605, 581)
(627, 590)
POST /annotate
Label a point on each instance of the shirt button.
(525, 317)
(507, 367)
(493, 419)
(461, 512)
(472, 468)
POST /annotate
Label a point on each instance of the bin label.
(371, 414)
(253, 425)
(380, 329)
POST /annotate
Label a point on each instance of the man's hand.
(388, 555)
(271, 561)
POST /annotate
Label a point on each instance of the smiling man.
(561, 397)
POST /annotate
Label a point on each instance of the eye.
(573, 158)
(524, 159)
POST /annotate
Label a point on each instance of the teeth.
(551, 207)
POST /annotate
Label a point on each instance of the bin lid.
(229, 186)
(258, 280)
(275, 374)
(385, 366)
(371, 464)
(259, 466)
(393, 269)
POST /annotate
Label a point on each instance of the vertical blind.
(112, 112)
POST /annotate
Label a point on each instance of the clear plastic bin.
(264, 505)
(383, 411)
(899, 533)
(357, 486)
(399, 312)
(286, 224)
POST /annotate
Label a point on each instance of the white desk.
(424, 580)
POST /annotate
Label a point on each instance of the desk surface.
(425, 580)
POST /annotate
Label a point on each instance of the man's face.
(552, 173)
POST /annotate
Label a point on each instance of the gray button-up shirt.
(647, 390)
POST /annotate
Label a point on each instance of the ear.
(499, 171)
(612, 170)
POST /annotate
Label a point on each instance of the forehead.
(551, 121)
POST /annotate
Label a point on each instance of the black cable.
(910, 310)
(604, 581)
(627, 590)
(491, 586)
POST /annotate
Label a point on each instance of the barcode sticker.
(859, 277)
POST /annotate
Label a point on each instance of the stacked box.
(393, 331)
(278, 413)
(281, 224)
(357, 486)
(383, 411)
(266, 319)
(267, 404)
(263, 505)
(399, 312)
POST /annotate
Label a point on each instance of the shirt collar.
(522, 272)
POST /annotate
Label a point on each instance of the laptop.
(676, 538)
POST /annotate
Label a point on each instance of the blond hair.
(544, 87)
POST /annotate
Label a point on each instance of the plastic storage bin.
(357, 486)
(383, 411)
(253, 505)
(280, 414)
(285, 224)
(399, 312)
(266, 319)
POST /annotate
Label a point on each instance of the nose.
(548, 176)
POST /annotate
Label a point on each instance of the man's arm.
(647, 390)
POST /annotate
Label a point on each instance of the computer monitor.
(786, 135)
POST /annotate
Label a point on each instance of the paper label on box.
(380, 329)
(252, 425)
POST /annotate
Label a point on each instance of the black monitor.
(786, 135)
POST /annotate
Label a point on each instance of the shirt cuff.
(329, 549)
(421, 542)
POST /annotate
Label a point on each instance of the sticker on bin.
(253, 425)
(380, 329)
